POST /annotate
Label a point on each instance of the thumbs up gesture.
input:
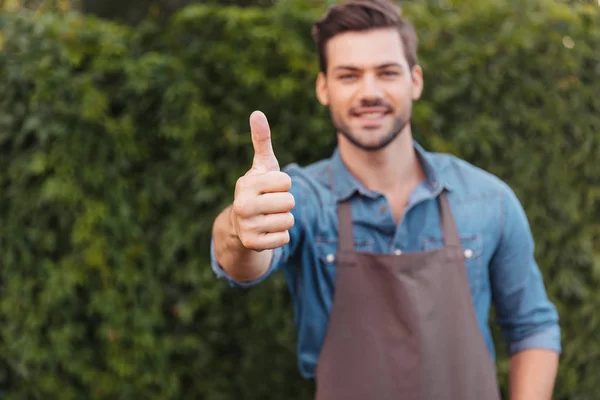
(262, 202)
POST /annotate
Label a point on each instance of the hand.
(262, 202)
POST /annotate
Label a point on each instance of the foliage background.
(119, 145)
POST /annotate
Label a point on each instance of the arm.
(528, 319)
(243, 266)
(245, 233)
(532, 374)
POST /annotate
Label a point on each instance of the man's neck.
(394, 171)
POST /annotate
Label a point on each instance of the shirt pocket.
(472, 248)
(327, 248)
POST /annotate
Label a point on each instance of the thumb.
(264, 157)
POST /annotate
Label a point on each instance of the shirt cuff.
(548, 339)
(222, 274)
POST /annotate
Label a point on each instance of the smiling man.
(393, 254)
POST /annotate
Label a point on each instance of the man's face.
(369, 87)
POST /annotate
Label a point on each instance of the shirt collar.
(344, 184)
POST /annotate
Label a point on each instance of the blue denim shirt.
(493, 228)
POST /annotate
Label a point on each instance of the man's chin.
(368, 145)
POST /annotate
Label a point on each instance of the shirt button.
(397, 252)
(468, 253)
(330, 258)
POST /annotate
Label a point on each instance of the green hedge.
(118, 147)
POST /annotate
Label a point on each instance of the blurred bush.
(39, 5)
(118, 147)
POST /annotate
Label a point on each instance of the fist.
(262, 202)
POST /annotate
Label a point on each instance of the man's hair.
(364, 15)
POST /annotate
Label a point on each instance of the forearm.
(532, 374)
(239, 262)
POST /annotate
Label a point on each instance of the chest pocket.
(327, 249)
(472, 247)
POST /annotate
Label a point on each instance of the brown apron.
(403, 327)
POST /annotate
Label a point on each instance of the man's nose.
(370, 87)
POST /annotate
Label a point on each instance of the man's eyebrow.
(382, 66)
(347, 67)
(389, 65)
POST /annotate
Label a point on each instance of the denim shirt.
(493, 228)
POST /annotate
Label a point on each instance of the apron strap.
(450, 232)
(345, 226)
(346, 231)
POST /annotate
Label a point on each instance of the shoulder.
(468, 182)
(480, 199)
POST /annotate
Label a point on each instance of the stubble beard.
(399, 125)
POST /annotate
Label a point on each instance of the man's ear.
(417, 80)
(321, 89)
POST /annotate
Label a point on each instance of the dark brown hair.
(363, 15)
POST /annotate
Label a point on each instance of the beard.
(397, 127)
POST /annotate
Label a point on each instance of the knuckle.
(243, 226)
(246, 183)
(240, 184)
(239, 207)
(250, 242)
(243, 238)
(242, 207)
(252, 225)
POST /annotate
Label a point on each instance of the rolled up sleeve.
(528, 319)
(222, 274)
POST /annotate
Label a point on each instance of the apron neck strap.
(449, 230)
(346, 231)
(345, 226)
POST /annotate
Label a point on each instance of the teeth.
(373, 115)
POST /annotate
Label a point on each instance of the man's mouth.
(371, 114)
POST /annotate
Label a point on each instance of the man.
(393, 254)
